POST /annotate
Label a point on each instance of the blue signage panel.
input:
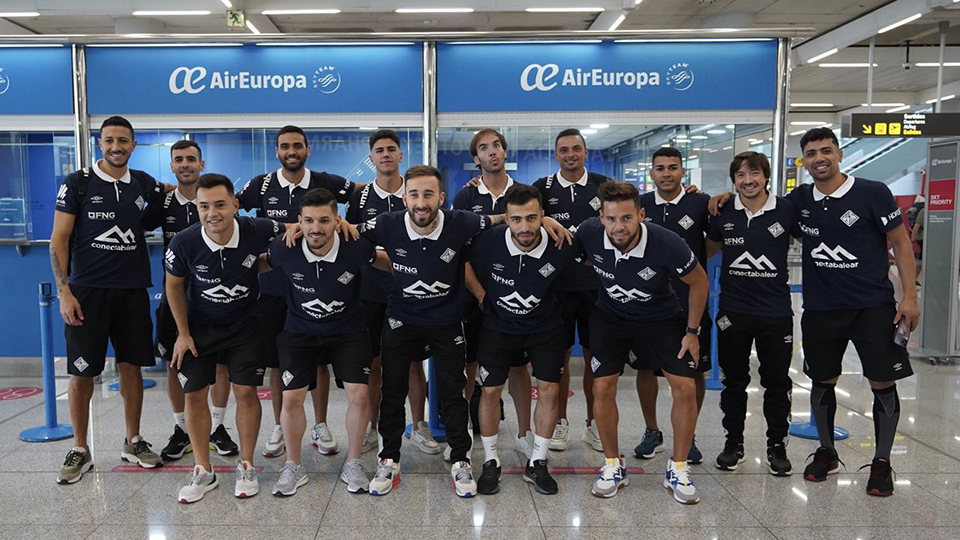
(254, 79)
(35, 80)
(607, 76)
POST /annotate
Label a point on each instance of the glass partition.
(32, 167)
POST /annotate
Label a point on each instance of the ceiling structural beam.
(890, 56)
(862, 28)
(262, 23)
(12, 28)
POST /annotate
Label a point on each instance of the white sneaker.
(463, 481)
(592, 437)
(353, 475)
(323, 440)
(275, 446)
(612, 479)
(525, 445)
(201, 482)
(370, 440)
(561, 435)
(292, 476)
(247, 484)
(386, 478)
(422, 438)
(677, 480)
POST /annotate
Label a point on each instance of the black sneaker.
(651, 443)
(825, 461)
(777, 461)
(880, 483)
(731, 457)
(223, 443)
(694, 456)
(489, 481)
(178, 446)
(538, 475)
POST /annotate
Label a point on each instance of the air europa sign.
(194, 80)
(547, 77)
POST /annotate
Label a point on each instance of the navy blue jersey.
(755, 273)
(427, 270)
(636, 285)
(479, 200)
(520, 286)
(364, 204)
(221, 281)
(108, 248)
(571, 204)
(687, 216)
(323, 291)
(174, 214)
(845, 260)
(275, 198)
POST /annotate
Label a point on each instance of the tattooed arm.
(59, 262)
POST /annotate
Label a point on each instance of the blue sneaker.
(612, 478)
(677, 480)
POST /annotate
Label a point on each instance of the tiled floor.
(748, 503)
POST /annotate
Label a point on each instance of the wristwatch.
(694, 331)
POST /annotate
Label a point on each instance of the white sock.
(181, 420)
(490, 448)
(216, 417)
(540, 447)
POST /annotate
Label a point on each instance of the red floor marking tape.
(570, 470)
(264, 393)
(223, 469)
(18, 392)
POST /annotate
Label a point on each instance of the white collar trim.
(482, 188)
(284, 183)
(232, 243)
(581, 182)
(383, 194)
(107, 178)
(331, 255)
(414, 235)
(846, 186)
(182, 199)
(638, 251)
(536, 252)
(660, 200)
(767, 206)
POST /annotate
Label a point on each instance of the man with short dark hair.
(177, 212)
(324, 324)
(488, 148)
(276, 196)
(639, 312)
(570, 197)
(385, 194)
(518, 268)
(212, 289)
(755, 309)
(102, 271)
(671, 207)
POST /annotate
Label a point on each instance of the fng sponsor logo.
(809, 231)
(102, 215)
(543, 77)
(404, 269)
(276, 213)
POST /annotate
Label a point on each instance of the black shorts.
(166, 332)
(472, 323)
(121, 316)
(656, 341)
(239, 345)
(300, 354)
(705, 339)
(374, 314)
(826, 334)
(498, 352)
(273, 316)
(575, 309)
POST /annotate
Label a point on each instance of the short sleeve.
(67, 200)
(266, 230)
(713, 228)
(369, 230)
(152, 190)
(887, 214)
(682, 261)
(340, 187)
(474, 224)
(174, 260)
(249, 195)
(541, 186)
(369, 251)
(460, 200)
(353, 207)
(152, 216)
(793, 215)
(275, 253)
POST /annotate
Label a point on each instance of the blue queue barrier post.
(51, 431)
(713, 382)
(808, 429)
(433, 412)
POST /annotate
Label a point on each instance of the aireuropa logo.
(680, 76)
(194, 80)
(4, 81)
(543, 77)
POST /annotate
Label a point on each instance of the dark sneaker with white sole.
(489, 481)
(138, 451)
(538, 475)
(178, 445)
(222, 442)
(777, 461)
(77, 462)
(731, 457)
(651, 443)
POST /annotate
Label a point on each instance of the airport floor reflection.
(748, 503)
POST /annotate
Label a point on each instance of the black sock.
(823, 407)
(886, 416)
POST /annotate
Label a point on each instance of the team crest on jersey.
(345, 278)
(394, 324)
(287, 377)
(647, 273)
(849, 218)
(776, 230)
(685, 222)
(547, 269)
(498, 267)
(202, 268)
(249, 261)
(96, 199)
(272, 200)
(723, 323)
(182, 378)
(595, 203)
(139, 202)
(297, 276)
(448, 255)
(81, 364)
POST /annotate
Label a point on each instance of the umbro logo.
(723, 323)
(685, 222)
(553, 200)
(81, 364)
(400, 252)
(623, 295)
(805, 213)
(546, 270)
(287, 377)
(788, 339)
(898, 366)
(249, 261)
(729, 226)
(746, 261)
(647, 273)
(202, 268)
(849, 218)
(477, 209)
(345, 278)
(96, 199)
(273, 200)
(498, 267)
(171, 219)
(297, 276)
(458, 340)
(366, 371)
(776, 230)
(448, 255)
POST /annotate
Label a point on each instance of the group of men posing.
(506, 278)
